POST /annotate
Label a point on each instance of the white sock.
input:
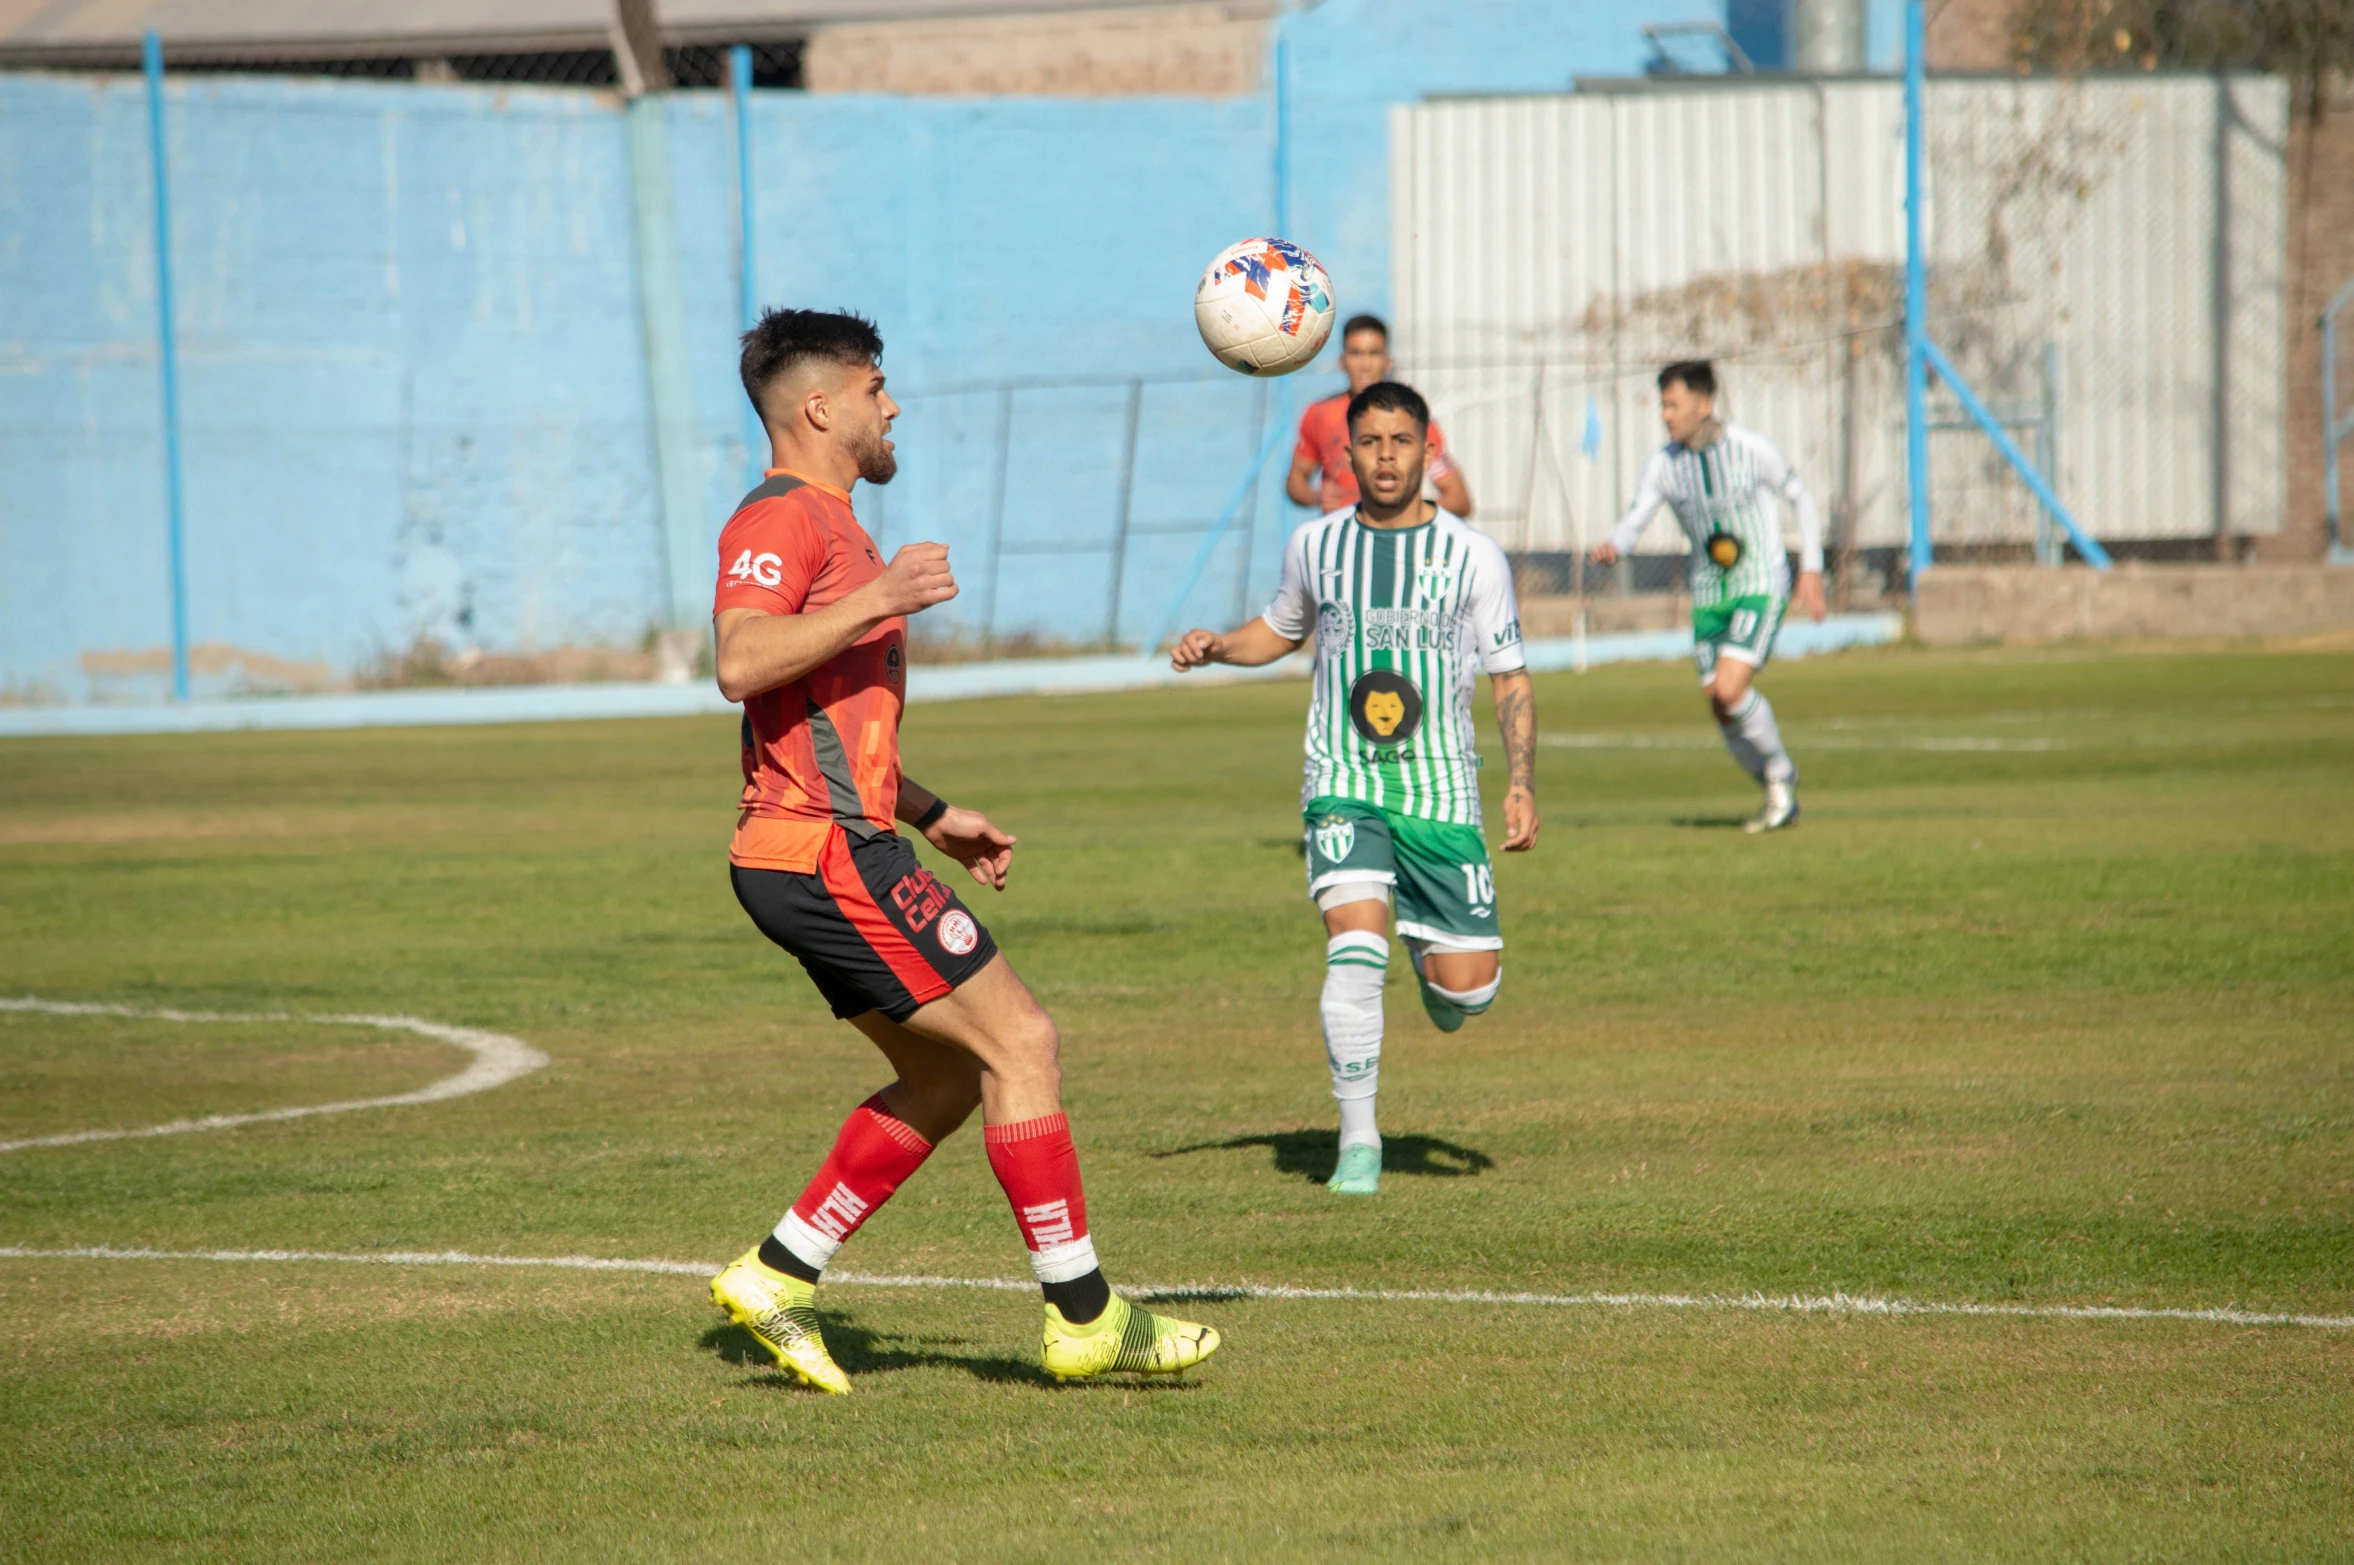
(1755, 740)
(1355, 964)
(1471, 1001)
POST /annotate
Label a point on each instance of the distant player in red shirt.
(812, 638)
(1320, 471)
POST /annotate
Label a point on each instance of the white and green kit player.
(1722, 482)
(1408, 606)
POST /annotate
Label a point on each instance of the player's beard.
(877, 462)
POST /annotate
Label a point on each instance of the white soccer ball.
(1264, 307)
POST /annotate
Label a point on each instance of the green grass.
(2050, 1001)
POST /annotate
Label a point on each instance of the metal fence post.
(2219, 325)
(1270, 416)
(151, 55)
(739, 71)
(1005, 443)
(2333, 428)
(1282, 153)
(2047, 457)
(1916, 335)
(1125, 505)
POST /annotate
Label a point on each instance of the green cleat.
(1359, 1172)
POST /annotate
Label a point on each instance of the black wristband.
(924, 821)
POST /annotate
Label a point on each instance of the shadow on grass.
(861, 1351)
(1310, 1154)
(1708, 822)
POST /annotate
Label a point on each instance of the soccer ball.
(1264, 307)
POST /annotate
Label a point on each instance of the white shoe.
(1781, 808)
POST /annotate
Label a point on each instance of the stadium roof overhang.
(70, 34)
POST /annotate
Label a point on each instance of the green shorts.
(1742, 629)
(1439, 872)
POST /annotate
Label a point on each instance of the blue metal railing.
(1922, 355)
(151, 57)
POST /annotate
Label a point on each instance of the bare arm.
(1455, 494)
(758, 651)
(1300, 483)
(967, 836)
(1516, 719)
(1254, 644)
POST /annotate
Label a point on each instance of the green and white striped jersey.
(1404, 621)
(1728, 488)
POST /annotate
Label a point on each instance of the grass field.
(2049, 1002)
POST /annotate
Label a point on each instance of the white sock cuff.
(806, 1242)
(1064, 1262)
(1746, 705)
(1357, 947)
(1471, 1000)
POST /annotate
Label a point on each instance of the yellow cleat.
(781, 1314)
(1124, 1338)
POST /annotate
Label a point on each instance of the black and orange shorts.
(876, 930)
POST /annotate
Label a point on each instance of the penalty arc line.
(498, 1059)
(1755, 1303)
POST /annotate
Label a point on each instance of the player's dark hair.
(1390, 396)
(785, 338)
(1358, 323)
(1694, 373)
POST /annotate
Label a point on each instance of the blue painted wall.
(413, 360)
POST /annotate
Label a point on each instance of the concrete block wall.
(2021, 605)
(413, 354)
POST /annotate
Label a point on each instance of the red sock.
(875, 1152)
(1039, 1168)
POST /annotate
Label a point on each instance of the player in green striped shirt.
(1408, 606)
(1721, 481)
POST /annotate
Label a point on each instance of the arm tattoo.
(1516, 716)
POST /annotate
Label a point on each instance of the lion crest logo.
(1384, 707)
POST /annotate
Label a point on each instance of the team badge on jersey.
(1335, 836)
(958, 933)
(1384, 708)
(1434, 581)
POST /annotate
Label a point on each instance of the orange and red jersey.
(823, 751)
(1324, 440)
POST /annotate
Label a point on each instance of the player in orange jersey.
(812, 638)
(1320, 472)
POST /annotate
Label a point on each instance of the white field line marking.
(1799, 739)
(1765, 1303)
(498, 1059)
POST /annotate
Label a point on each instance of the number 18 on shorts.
(1439, 873)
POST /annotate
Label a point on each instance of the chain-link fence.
(2105, 265)
(776, 62)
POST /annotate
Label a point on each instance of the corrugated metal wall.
(1552, 252)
